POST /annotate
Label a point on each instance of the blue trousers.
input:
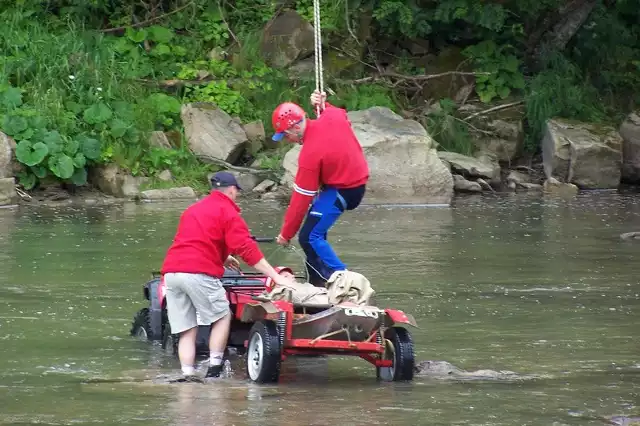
(327, 207)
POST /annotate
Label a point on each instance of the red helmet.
(279, 269)
(284, 116)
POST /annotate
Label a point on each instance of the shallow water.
(519, 283)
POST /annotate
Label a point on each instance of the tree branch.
(148, 21)
(219, 162)
(492, 109)
(414, 78)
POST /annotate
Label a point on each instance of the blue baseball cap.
(224, 179)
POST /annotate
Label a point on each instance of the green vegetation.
(86, 82)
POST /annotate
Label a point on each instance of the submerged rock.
(446, 370)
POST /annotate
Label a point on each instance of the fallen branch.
(227, 165)
(414, 78)
(493, 109)
(148, 21)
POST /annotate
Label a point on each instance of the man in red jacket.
(208, 233)
(332, 172)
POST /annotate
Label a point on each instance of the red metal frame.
(368, 350)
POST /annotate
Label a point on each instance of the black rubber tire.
(403, 356)
(141, 325)
(170, 341)
(269, 370)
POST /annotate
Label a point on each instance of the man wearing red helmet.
(332, 172)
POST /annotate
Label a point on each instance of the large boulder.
(211, 132)
(6, 155)
(471, 167)
(112, 181)
(7, 191)
(587, 155)
(287, 38)
(403, 162)
(499, 134)
(630, 132)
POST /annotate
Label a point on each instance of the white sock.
(215, 358)
(188, 370)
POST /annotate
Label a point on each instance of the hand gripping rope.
(318, 55)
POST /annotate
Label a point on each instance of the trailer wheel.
(399, 348)
(263, 356)
(141, 326)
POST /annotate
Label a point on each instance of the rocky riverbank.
(406, 166)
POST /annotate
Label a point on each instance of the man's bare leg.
(187, 350)
(217, 344)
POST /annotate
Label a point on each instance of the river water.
(536, 286)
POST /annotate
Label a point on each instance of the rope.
(318, 55)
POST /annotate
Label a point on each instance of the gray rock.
(6, 155)
(112, 181)
(586, 155)
(463, 185)
(287, 38)
(168, 194)
(165, 175)
(159, 140)
(8, 194)
(630, 133)
(446, 370)
(211, 132)
(552, 186)
(264, 186)
(403, 162)
(471, 167)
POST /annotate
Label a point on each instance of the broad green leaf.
(40, 171)
(79, 160)
(90, 148)
(31, 154)
(37, 122)
(79, 176)
(61, 165)
(118, 128)
(27, 134)
(161, 49)
(12, 98)
(97, 113)
(137, 36)
(504, 92)
(511, 64)
(27, 180)
(54, 142)
(517, 81)
(160, 34)
(71, 146)
(12, 125)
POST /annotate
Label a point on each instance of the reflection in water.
(537, 286)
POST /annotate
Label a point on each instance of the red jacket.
(209, 231)
(330, 156)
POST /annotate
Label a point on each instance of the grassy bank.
(75, 93)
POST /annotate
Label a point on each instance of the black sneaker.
(214, 371)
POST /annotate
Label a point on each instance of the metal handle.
(264, 239)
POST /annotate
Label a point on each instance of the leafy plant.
(501, 70)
